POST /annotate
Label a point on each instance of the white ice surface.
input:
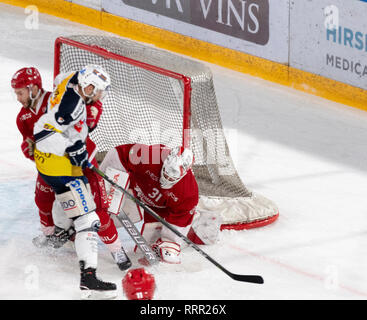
(305, 153)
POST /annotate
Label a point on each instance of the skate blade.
(98, 295)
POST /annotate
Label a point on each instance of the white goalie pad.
(241, 213)
(117, 200)
(151, 231)
(206, 227)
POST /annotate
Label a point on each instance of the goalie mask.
(138, 285)
(94, 75)
(175, 166)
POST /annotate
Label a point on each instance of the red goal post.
(161, 97)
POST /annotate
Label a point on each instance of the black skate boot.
(121, 259)
(93, 288)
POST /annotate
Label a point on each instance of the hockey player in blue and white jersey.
(60, 155)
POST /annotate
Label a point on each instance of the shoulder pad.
(71, 107)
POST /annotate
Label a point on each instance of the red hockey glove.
(27, 148)
(94, 111)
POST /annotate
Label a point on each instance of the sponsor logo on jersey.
(68, 205)
(112, 190)
(43, 188)
(172, 195)
(103, 192)
(76, 185)
(26, 116)
(41, 157)
(78, 110)
(152, 175)
(109, 239)
(144, 198)
(50, 127)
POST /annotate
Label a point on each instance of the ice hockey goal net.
(160, 97)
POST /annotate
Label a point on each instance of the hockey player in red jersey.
(161, 178)
(27, 86)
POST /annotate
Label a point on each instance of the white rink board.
(231, 22)
(339, 53)
(94, 4)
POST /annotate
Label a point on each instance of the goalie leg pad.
(133, 210)
(168, 235)
(205, 228)
(151, 231)
(117, 200)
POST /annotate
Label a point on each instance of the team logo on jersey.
(60, 120)
(79, 126)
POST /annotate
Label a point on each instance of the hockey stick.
(138, 238)
(237, 277)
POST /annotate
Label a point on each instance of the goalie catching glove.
(78, 154)
(168, 251)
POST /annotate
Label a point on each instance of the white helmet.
(96, 76)
(175, 166)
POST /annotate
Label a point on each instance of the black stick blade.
(247, 278)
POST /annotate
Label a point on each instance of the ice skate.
(93, 288)
(121, 259)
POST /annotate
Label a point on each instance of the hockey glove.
(55, 240)
(60, 237)
(27, 148)
(78, 154)
(167, 250)
(94, 111)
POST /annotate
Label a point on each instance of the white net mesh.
(144, 106)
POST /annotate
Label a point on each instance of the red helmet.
(26, 77)
(138, 285)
